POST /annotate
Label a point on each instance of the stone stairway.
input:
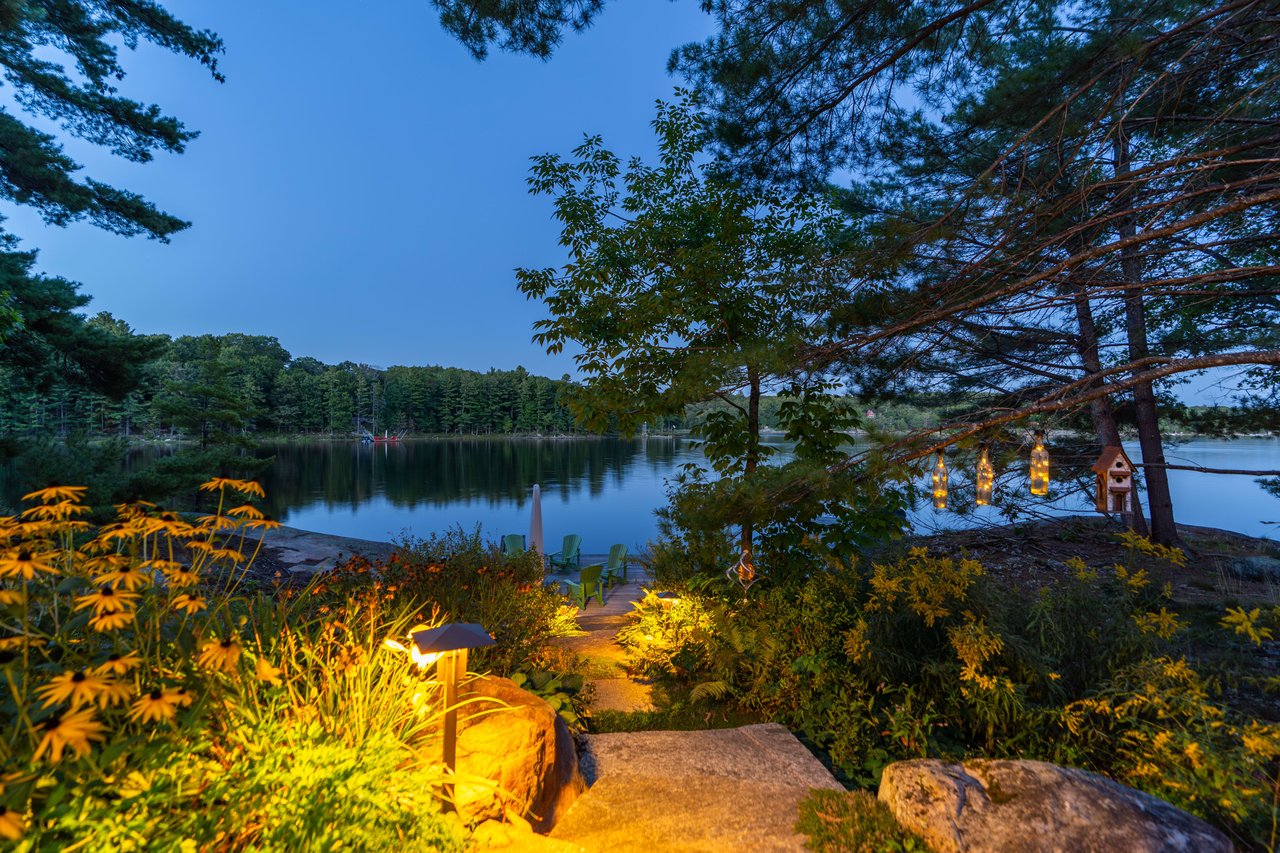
(693, 792)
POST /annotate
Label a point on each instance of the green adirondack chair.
(587, 586)
(616, 566)
(513, 545)
(569, 553)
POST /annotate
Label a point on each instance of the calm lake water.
(607, 489)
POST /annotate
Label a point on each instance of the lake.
(606, 489)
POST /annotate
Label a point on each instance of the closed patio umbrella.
(535, 522)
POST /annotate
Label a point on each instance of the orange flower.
(25, 564)
(129, 577)
(78, 688)
(12, 826)
(156, 706)
(268, 673)
(118, 664)
(74, 729)
(104, 622)
(192, 604)
(56, 493)
(107, 599)
(220, 654)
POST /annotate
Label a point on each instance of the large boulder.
(515, 755)
(1033, 806)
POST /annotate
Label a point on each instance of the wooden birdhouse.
(1115, 480)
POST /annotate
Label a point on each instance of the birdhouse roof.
(1110, 456)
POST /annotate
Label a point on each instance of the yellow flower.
(74, 729)
(248, 511)
(55, 512)
(78, 688)
(220, 654)
(268, 673)
(179, 576)
(128, 577)
(189, 603)
(118, 664)
(104, 622)
(244, 487)
(56, 493)
(12, 826)
(262, 524)
(107, 599)
(10, 596)
(229, 554)
(156, 706)
(114, 693)
(25, 564)
(184, 698)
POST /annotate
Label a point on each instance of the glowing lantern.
(986, 479)
(1039, 466)
(940, 483)
(744, 572)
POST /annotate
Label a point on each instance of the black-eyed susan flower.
(231, 555)
(74, 729)
(189, 603)
(246, 511)
(51, 494)
(12, 824)
(268, 673)
(244, 487)
(60, 511)
(181, 576)
(25, 564)
(114, 692)
(126, 577)
(264, 523)
(10, 596)
(118, 664)
(77, 687)
(112, 621)
(220, 654)
(158, 706)
(183, 697)
(106, 599)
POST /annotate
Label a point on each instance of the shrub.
(923, 656)
(466, 580)
(152, 704)
(853, 822)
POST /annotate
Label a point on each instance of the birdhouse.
(1039, 467)
(1115, 480)
(940, 483)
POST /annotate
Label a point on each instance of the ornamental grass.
(151, 702)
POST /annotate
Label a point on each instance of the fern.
(713, 690)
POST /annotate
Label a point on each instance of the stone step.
(717, 790)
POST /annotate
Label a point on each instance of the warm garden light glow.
(985, 479)
(940, 482)
(1039, 466)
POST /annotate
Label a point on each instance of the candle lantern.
(1039, 466)
(940, 482)
(1114, 472)
(985, 480)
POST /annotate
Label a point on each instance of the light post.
(449, 643)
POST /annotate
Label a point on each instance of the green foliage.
(853, 822)
(923, 656)
(188, 714)
(564, 692)
(466, 579)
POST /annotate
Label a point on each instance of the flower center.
(24, 556)
(78, 677)
(155, 695)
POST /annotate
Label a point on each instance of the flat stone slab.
(309, 552)
(716, 790)
(621, 694)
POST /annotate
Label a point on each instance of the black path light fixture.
(449, 643)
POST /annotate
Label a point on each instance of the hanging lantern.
(986, 479)
(1039, 466)
(940, 483)
(744, 572)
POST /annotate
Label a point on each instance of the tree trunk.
(1101, 410)
(1163, 529)
(753, 445)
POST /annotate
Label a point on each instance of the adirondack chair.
(616, 566)
(513, 545)
(570, 553)
(587, 586)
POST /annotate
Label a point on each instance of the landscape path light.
(449, 643)
(667, 598)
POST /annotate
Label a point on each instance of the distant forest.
(211, 387)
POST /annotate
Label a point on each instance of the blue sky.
(358, 189)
